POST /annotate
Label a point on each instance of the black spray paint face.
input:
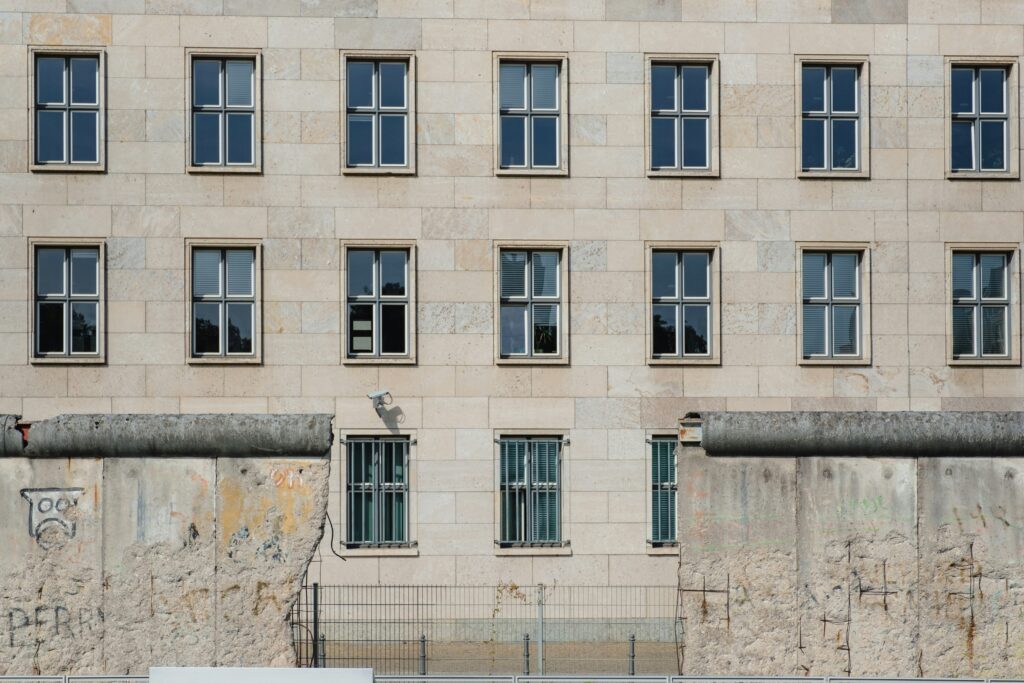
(51, 507)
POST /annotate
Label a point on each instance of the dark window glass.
(239, 138)
(49, 271)
(814, 330)
(813, 143)
(206, 328)
(545, 141)
(695, 88)
(993, 276)
(83, 136)
(392, 140)
(962, 91)
(844, 275)
(83, 327)
(206, 83)
(696, 329)
(663, 142)
(392, 328)
(962, 145)
(51, 328)
(206, 138)
(844, 143)
(844, 89)
(993, 330)
(844, 330)
(695, 274)
(663, 274)
(813, 89)
(360, 272)
(360, 140)
(664, 329)
(50, 80)
(963, 275)
(992, 89)
(360, 84)
(663, 87)
(993, 145)
(545, 328)
(83, 80)
(695, 143)
(84, 271)
(392, 84)
(49, 136)
(545, 273)
(392, 273)
(239, 328)
(513, 141)
(360, 328)
(513, 330)
(963, 330)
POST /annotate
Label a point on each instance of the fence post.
(323, 651)
(423, 654)
(316, 625)
(540, 628)
(632, 654)
(526, 654)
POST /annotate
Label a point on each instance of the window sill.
(695, 173)
(224, 360)
(67, 168)
(862, 362)
(834, 175)
(985, 362)
(379, 361)
(380, 552)
(684, 361)
(663, 550)
(225, 170)
(538, 172)
(358, 170)
(67, 360)
(532, 361)
(539, 551)
(983, 175)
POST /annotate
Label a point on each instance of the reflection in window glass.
(379, 303)
(223, 112)
(529, 292)
(680, 288)
(979, 119)
(83, 327)
(67, 115)
(67, 299)
(831, 307)
(377, 113)
(527, 139)
(831, 118)
(981, 305)
(680, 116)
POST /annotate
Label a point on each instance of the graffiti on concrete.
(51, 507)
(30, 625)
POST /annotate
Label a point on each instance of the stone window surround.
(1012, 250)
(565, 549)
(411, 548)
(410, 358)
(864, 248)
(864, 114)
(1013, 118)
(562, 58)
(100, 53)
(665, 549)
(715, 358)
(257, 98)
(714, 150)
(101, 335)
(407, 56)
(257, 325)
(564, 301)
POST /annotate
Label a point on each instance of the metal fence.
(487, 630)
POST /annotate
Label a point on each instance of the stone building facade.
(454, 207)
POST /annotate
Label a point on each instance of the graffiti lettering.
(30, 626)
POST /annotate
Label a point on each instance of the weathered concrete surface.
(852, 566)
(899, 434)
(155, 560)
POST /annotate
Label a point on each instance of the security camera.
(380, 395)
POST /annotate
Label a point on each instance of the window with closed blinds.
(832, 304)
(981, 305)
(663, 491)
(530, 293)
(529, 119)
(530, 491)
(377, 492)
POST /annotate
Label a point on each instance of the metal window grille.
(530, 303)
(79, 114)
(376, 119)
(232, 114)
(981, 305)
(979, 134)
(681, 299)
(377, 488)
(223, 302)
(529, 105)
(663, 491)
(830, 118)
(73, 307)
(530, 491)
(680, 116)
(831, 304)
(378, 302)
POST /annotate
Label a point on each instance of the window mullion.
(528, 493)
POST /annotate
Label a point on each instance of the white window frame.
(562, 300)
(562, 150)
(1013, 303)
(862, 115)
(863, 301)
(1008, 117)
(714, 301)
(377, 56)
(710, 61)
(410, 300)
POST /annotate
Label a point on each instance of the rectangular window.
(663, 491)
(66, 119)
(680, 304)
(223, 302)
(377, 286)
(830, 122)
(377, 113)
(224, 123)
(377, 491)
(979, 118)
(981, 305)
(67, 302)
(832, 315)
(530, 301)
(680, 116)
(529, 115)
(530, 491)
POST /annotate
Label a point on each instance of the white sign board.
(227, 674)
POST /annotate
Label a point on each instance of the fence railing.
(489, 630)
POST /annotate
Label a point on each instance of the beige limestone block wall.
(608, 398)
